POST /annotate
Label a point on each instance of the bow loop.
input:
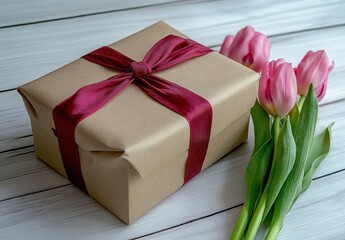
(140, 69)
(172, 51)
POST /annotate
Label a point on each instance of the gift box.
(134, 149)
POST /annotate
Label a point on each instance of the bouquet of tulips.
(286, 150)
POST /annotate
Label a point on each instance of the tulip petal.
(240, 46)
(302, 81)
(330, 68)
(248, 61)
(259, 49)
(226, 45)
(319, 68)
(321, 91)
(274, 65)
(264, 91)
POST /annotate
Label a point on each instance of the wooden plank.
(17, 12)
(318, 215)
(67, 213)
(32, 182)
(29, 52)
(22, 173)
(19, 162)
(15, 125)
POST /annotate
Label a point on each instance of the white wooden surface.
(39, 36)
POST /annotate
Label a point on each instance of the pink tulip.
(314, 68)
(248, 47)
(277, 88)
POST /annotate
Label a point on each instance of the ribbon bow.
(166, 53)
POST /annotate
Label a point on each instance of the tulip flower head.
(248, 47)
(314, 69)
(277, 88)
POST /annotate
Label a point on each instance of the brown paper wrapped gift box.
(133, 151)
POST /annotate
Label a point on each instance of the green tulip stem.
(274, 231)
(300, 102)
(259, 211)
(276, 125)
(257, 218)
(241, 224)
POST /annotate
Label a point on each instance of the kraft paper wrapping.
(133, 151)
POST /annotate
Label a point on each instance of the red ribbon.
(166, 53)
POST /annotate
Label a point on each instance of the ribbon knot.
(140, 69)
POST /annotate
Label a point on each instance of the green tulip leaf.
(256, 174)
(305, 129)
(262, 133)
(262, 125)
(318, 152)
(256, 171)
(284, 162)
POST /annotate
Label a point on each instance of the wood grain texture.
(38, 203)
(22, 173)
(14, 122)
(29, 52)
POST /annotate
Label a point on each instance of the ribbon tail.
(71, 111)
(194, 108)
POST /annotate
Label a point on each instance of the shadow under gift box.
(133, 151)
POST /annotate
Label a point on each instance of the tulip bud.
(277, 88)
(314, 68)
(248, 47)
